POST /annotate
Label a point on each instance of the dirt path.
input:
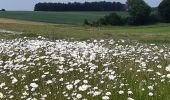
(10, 32)
(16, 21)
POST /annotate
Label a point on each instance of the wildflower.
(130, 92)
(83, 88)
(108, 93)
(11, 97)
(1, 95)
(49, 82)
(168, 68)
(34, 85)
(69, 87)
(105, 98)
(76, 82)
(129, 98)
(79, 96)
(101, 82)
(159, 66)
(85, 81)
(43, 76)
(150, 87)
(111, 77)
(14, 80)
(61, 79)
(2, 85)
(168, 75)
(96, 93)
(150, 94)
(121, 92)
(161, 51)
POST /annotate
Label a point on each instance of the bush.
(86, 22)
(139, 11)
(111, 19)
(152, 19)
(164, 10)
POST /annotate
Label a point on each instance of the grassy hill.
(159, 33)
(72, 26)
(56, 17)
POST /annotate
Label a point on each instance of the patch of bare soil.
(16, 21)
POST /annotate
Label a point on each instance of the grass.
(69, 25)
(56, 17)
(159, 33)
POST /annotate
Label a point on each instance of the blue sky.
(28, 5)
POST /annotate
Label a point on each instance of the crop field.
(56, 17)
(47, 61)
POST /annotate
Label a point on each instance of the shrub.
(86, 22)
(111, 19)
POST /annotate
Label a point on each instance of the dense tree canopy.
(164, 10)
(139, 11)
(87, 6)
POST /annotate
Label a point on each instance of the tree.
(164, 10)
(139, 11)
(76, 6)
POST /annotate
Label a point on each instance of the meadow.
(47, 61)
(159, 33)
(41, 69)
(64, 25)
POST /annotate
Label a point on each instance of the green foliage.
(164, 10)
(139, 11)
(154, 18)
(77, 6)
(86, 22)
(111, 19)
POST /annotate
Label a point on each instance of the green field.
(56, 17)
(69, 25)
(152, 33)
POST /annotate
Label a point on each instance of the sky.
(28, 5)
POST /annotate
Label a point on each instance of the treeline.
(86, 6)
(140, 13)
